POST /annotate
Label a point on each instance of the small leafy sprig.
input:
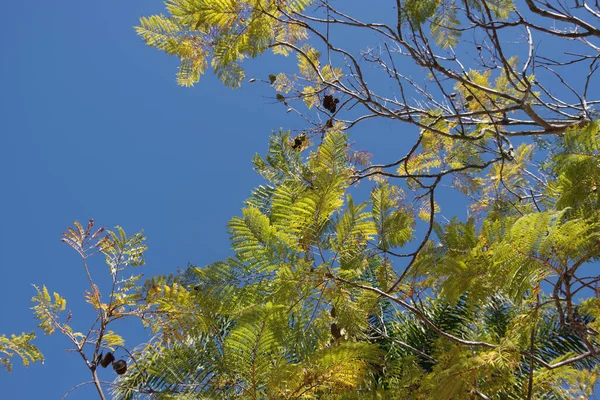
(20, 345)
(120, 252)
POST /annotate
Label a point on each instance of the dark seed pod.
(330, 103)
(108, 358)
(120, 367)
(336, 332)
(469, 97)
(299, 142)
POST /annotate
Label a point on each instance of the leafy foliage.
(20, 345)
(224, 32)
(298, 311)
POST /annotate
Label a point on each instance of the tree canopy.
(346, 279)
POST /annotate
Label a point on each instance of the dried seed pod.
(299, 142)
(330, 103)
(108, 358)
(120, 367)
(336, 332)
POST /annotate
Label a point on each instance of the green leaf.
(47, 309)
(22, 346)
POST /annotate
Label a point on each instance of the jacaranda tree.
(385, 296)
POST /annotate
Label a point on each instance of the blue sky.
(93, 125)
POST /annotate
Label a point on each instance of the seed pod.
(330, 103)
(120, 367)
(108, 358)
(299, 141)
(336, 332)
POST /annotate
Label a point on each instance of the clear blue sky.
(93, 125)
